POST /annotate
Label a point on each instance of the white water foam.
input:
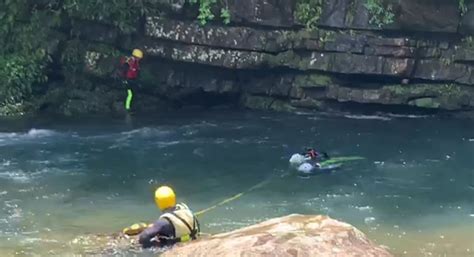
(41, 133)
(409, 116)
(7, 135)
(367, 117)
(166, 144)
(14, 137)
(147, 132)
(20, 176)
(369, 220)
(364, 208)
(203, 124)
(124, 139)
(304, 113)
(17, 176)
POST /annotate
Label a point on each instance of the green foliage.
(206, 14)
(326, 36)
(462, 7)
(25, 29)
(309, 12)
(23, 55)
(468, 42)
(17, 75)
(26, 37)
(225, 15)
(446, 61)
(380, 15)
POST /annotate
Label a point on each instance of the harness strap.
(173, 239)
(192, 231)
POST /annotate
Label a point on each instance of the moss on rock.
(265, 103)
(312, 80)
(425, 102)
(308, 103)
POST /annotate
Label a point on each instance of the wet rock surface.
(293, 235)
(265, 59)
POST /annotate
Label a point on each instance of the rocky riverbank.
(421, 59)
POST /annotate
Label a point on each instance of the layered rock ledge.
(266, 59)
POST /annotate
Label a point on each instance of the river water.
(63, 179)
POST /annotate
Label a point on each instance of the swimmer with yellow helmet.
(130, 74)
(176, 224)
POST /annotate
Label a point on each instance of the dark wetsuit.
(172, 221)
(161, 228)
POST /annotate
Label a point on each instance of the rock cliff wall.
(423, 59)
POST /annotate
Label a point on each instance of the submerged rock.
(293, 235)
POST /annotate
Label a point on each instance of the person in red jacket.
(315, 155)
(130, 74)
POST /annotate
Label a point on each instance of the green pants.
(129, 99)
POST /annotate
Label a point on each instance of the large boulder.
(293, 235)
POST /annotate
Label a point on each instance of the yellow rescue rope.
(136, 229)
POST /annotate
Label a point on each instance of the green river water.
(61, 180)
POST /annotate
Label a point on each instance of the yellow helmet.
(165, 198)
(137, 53)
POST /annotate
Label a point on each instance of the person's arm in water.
(159, 228)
